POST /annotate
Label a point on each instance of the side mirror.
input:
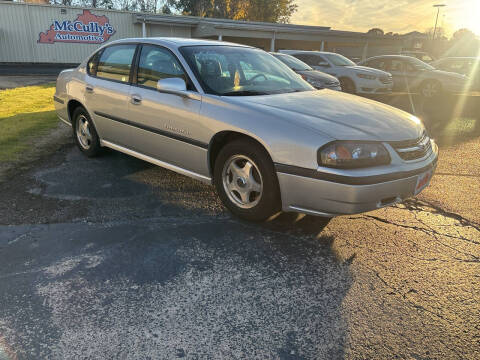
(175, 86)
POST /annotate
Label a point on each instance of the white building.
(38, 33)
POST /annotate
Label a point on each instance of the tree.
(376, 31)
(271, 10)
(463, 35)
(464, 43)
(251, 10)
(439, 33)
(166, 9)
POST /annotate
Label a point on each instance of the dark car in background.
(411, 74)
(420, 55)
(468, 66)
(317, 79)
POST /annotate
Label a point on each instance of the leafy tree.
(166, 9)
(252, 10)
(376, 31)
(462, 35)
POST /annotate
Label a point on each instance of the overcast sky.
(390, 15)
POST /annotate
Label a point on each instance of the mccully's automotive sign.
(86, 28)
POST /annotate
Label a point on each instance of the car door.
(321, 64)
(166, 126)
(397, 68)
(107, 89)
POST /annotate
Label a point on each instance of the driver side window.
(155, 64)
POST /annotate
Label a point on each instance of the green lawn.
(25, 114)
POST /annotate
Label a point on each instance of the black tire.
(92, 147)
(430, 89)
(269, 202)
(348, 85)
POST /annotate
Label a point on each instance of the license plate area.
(422, 181)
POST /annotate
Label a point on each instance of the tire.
(430, 89)
(348, 85)
(246, 181)
(85, 136)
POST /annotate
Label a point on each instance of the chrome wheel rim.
(242, 181)
(430, 90)
(84, 135)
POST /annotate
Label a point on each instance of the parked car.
(318, 79)
(267, 142)
(420, 55)
(354, 79)
(410, 74)
(468, 66)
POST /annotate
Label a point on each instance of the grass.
(26, 113)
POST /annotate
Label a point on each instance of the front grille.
(332, 83)
(386, 79)
(413, 149)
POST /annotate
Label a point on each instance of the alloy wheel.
(84, 135)
(430, 89)
(242, 181)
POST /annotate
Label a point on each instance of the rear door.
(107, 91)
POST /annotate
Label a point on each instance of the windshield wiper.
(244, 93)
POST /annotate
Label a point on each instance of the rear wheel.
(246, 182)
(348, 85)
(430, 89)
(84, 133)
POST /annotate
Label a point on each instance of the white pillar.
(144, 29)
(220, 37)
(322, 46)
(272, 42)
(365, 51)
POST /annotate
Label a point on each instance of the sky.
(390, 15)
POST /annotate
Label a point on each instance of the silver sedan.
(236, 117)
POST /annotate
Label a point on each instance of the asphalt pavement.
(115, 258)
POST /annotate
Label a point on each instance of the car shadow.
(280, 282)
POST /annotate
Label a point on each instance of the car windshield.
(239, 71)
(419, 64)
(339, 60)
(293, 63)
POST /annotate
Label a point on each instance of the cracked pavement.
(115, 258)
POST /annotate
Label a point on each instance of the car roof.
(404, 57)
(175, 42)
(306, 52)
(460, 58)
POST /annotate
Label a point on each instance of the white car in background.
(354, 79)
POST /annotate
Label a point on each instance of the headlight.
(315, 83)
(367, 76)
(351, 154)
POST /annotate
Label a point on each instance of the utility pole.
(438, 6)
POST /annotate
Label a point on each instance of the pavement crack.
(419, 205)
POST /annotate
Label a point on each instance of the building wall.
(21, 24)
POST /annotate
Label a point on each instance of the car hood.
(367, 70)
(338, 115)
(318, 75)
(448, 75)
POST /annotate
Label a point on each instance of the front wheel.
(246, 181)
(348, 85)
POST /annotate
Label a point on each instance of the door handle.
(89, 89)
(136, 100)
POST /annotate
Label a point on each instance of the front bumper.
(329, 197)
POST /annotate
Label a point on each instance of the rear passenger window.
(93, 63)
(116, 62)
(157, 63)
